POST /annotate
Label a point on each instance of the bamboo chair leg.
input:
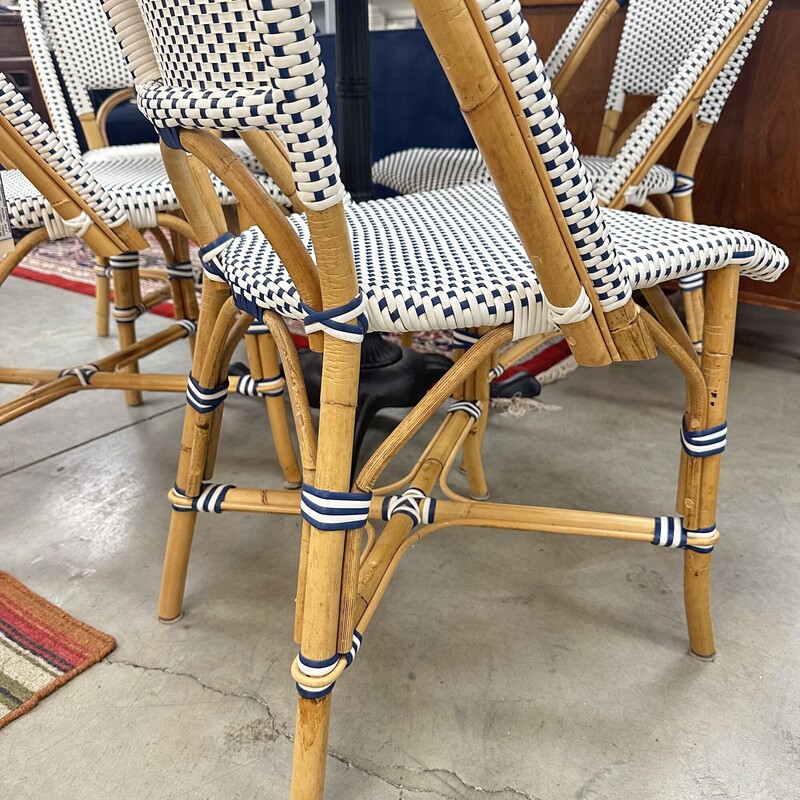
(196, 443)
(126, 295)
(692, 298)
(102, 296)
(718, 332)
(262, 356)
(477, 389)
(327, 559)
(694, 311)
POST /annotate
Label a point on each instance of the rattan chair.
(657, 39)
(422, 169)
(444, 260)
(72, 38)
(52, 195)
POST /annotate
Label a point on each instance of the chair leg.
(262, 356)
(198, 440)
(693, 309)
(477, 389)
(102, 301)
(327, 594)
(127, 307)
(718, 333)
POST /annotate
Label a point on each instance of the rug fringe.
(519, 406)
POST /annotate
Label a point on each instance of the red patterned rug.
(41, 648)
(69, 264)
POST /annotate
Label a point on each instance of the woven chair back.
(674, 67)
(657, 38)
(235, 65)
(75, 36)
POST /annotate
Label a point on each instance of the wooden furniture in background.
(749, 176)
(15, 62)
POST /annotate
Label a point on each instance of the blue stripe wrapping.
(257, 329)
(701, 444)
(473, 409)
(684, 185)
(129, 260)
(271, 387)
(210, 253)
(83, 373)
(464, 339)
(669, 532)
(326, 666)
(189, 325)
(180, 269)
(203, 399)
(171, 137)
(334, 511)
(702, 533)
(211, 498)
(414, 503)
(333, 321)
(690, 282)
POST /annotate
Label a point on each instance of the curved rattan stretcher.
(550, 257)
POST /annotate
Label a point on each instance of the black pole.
(353, 93)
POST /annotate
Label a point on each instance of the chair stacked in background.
(71, 38)
(53, 194)
(535, 254)
(659, 43)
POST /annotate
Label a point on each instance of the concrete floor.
(500, 665)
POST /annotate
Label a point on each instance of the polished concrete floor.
(502, 665)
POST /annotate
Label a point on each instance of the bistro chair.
(657, 37)
(54, 195)
(536, 253)
(72, 45)
(421, 169)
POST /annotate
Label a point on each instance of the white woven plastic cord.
(136, 188)
(237, 65)
(658, 54)
(27, 208)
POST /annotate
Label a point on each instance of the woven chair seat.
(451, 259)
(137, 179)
(423, 169)
(152, 150)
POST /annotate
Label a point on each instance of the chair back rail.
(581, 33)
(245, 67)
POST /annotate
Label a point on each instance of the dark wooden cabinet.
(749, 176)
(16, 64)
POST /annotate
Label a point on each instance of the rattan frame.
(341, 579)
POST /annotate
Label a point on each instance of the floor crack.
(454, 785)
